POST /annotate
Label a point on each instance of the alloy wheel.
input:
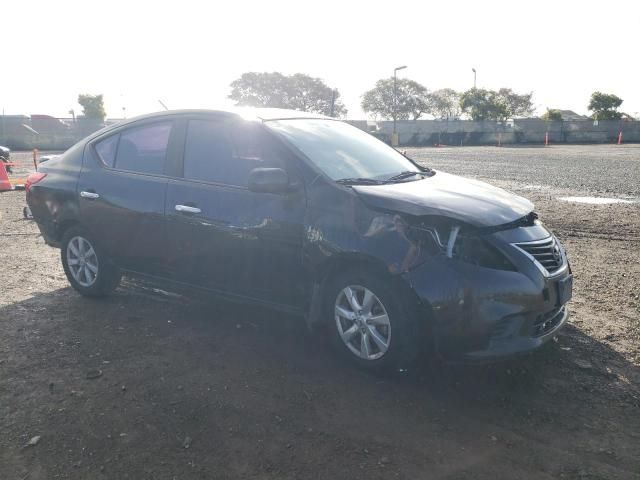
(363, 323)
(82, 261)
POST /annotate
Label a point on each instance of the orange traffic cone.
(5, 184)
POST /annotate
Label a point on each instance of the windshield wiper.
(360, 181)
(405, 174)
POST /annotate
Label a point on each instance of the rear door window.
(143, 149)
(106, 150)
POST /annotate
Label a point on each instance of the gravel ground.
(195, 390)
(599, 169)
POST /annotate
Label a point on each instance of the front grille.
(547, 253)
(546, 322)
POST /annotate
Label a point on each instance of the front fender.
(346, 227)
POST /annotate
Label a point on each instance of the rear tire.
(375, 329)
(88, 268)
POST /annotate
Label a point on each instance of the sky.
(186, 53)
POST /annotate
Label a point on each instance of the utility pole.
(474, 78)
(333, 102)
(394, 137)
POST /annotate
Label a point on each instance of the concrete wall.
(523, 131)
(20, 132)
(61, 135)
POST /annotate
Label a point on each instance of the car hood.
(471, 201)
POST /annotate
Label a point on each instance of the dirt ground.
(188, 389)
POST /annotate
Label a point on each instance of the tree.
(605, 106)
(260, 90)
(515, 105)
(412, 99)
(445, 104)
(310, 94)
(298, 92)
(552, 114)
(483, 104)
(92, 106)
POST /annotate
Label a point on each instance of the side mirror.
(268, 180)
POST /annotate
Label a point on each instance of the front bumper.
(480, 314)
(519, 343)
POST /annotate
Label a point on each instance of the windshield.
(342, 151)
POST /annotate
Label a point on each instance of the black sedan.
(310, 215)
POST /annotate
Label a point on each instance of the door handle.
(91, 195)
(187, 209)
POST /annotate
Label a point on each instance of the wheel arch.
(348, 261)
(352, 261)
(63, 226)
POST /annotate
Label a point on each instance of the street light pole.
(333, 102)
(474, 78)
(394, 137)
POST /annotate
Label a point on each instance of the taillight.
(34, 178)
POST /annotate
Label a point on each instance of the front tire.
(88, 268)
(368, 322)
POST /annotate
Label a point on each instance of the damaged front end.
(492, 291)
(433, 236)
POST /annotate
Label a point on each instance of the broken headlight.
(443, 236)
(473, 249)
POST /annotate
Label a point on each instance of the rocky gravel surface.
(599, 169)
(147, 385)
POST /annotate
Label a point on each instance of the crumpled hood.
(471, 201)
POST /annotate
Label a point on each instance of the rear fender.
(54, 200)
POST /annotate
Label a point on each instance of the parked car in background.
(310, 215)
(5, 155)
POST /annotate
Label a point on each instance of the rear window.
(143, 149)
(138, 149)
(106, 150)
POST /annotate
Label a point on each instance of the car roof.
(247, 113)
(282, 114)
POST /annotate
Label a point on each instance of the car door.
(121, 191)
(223, 236)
